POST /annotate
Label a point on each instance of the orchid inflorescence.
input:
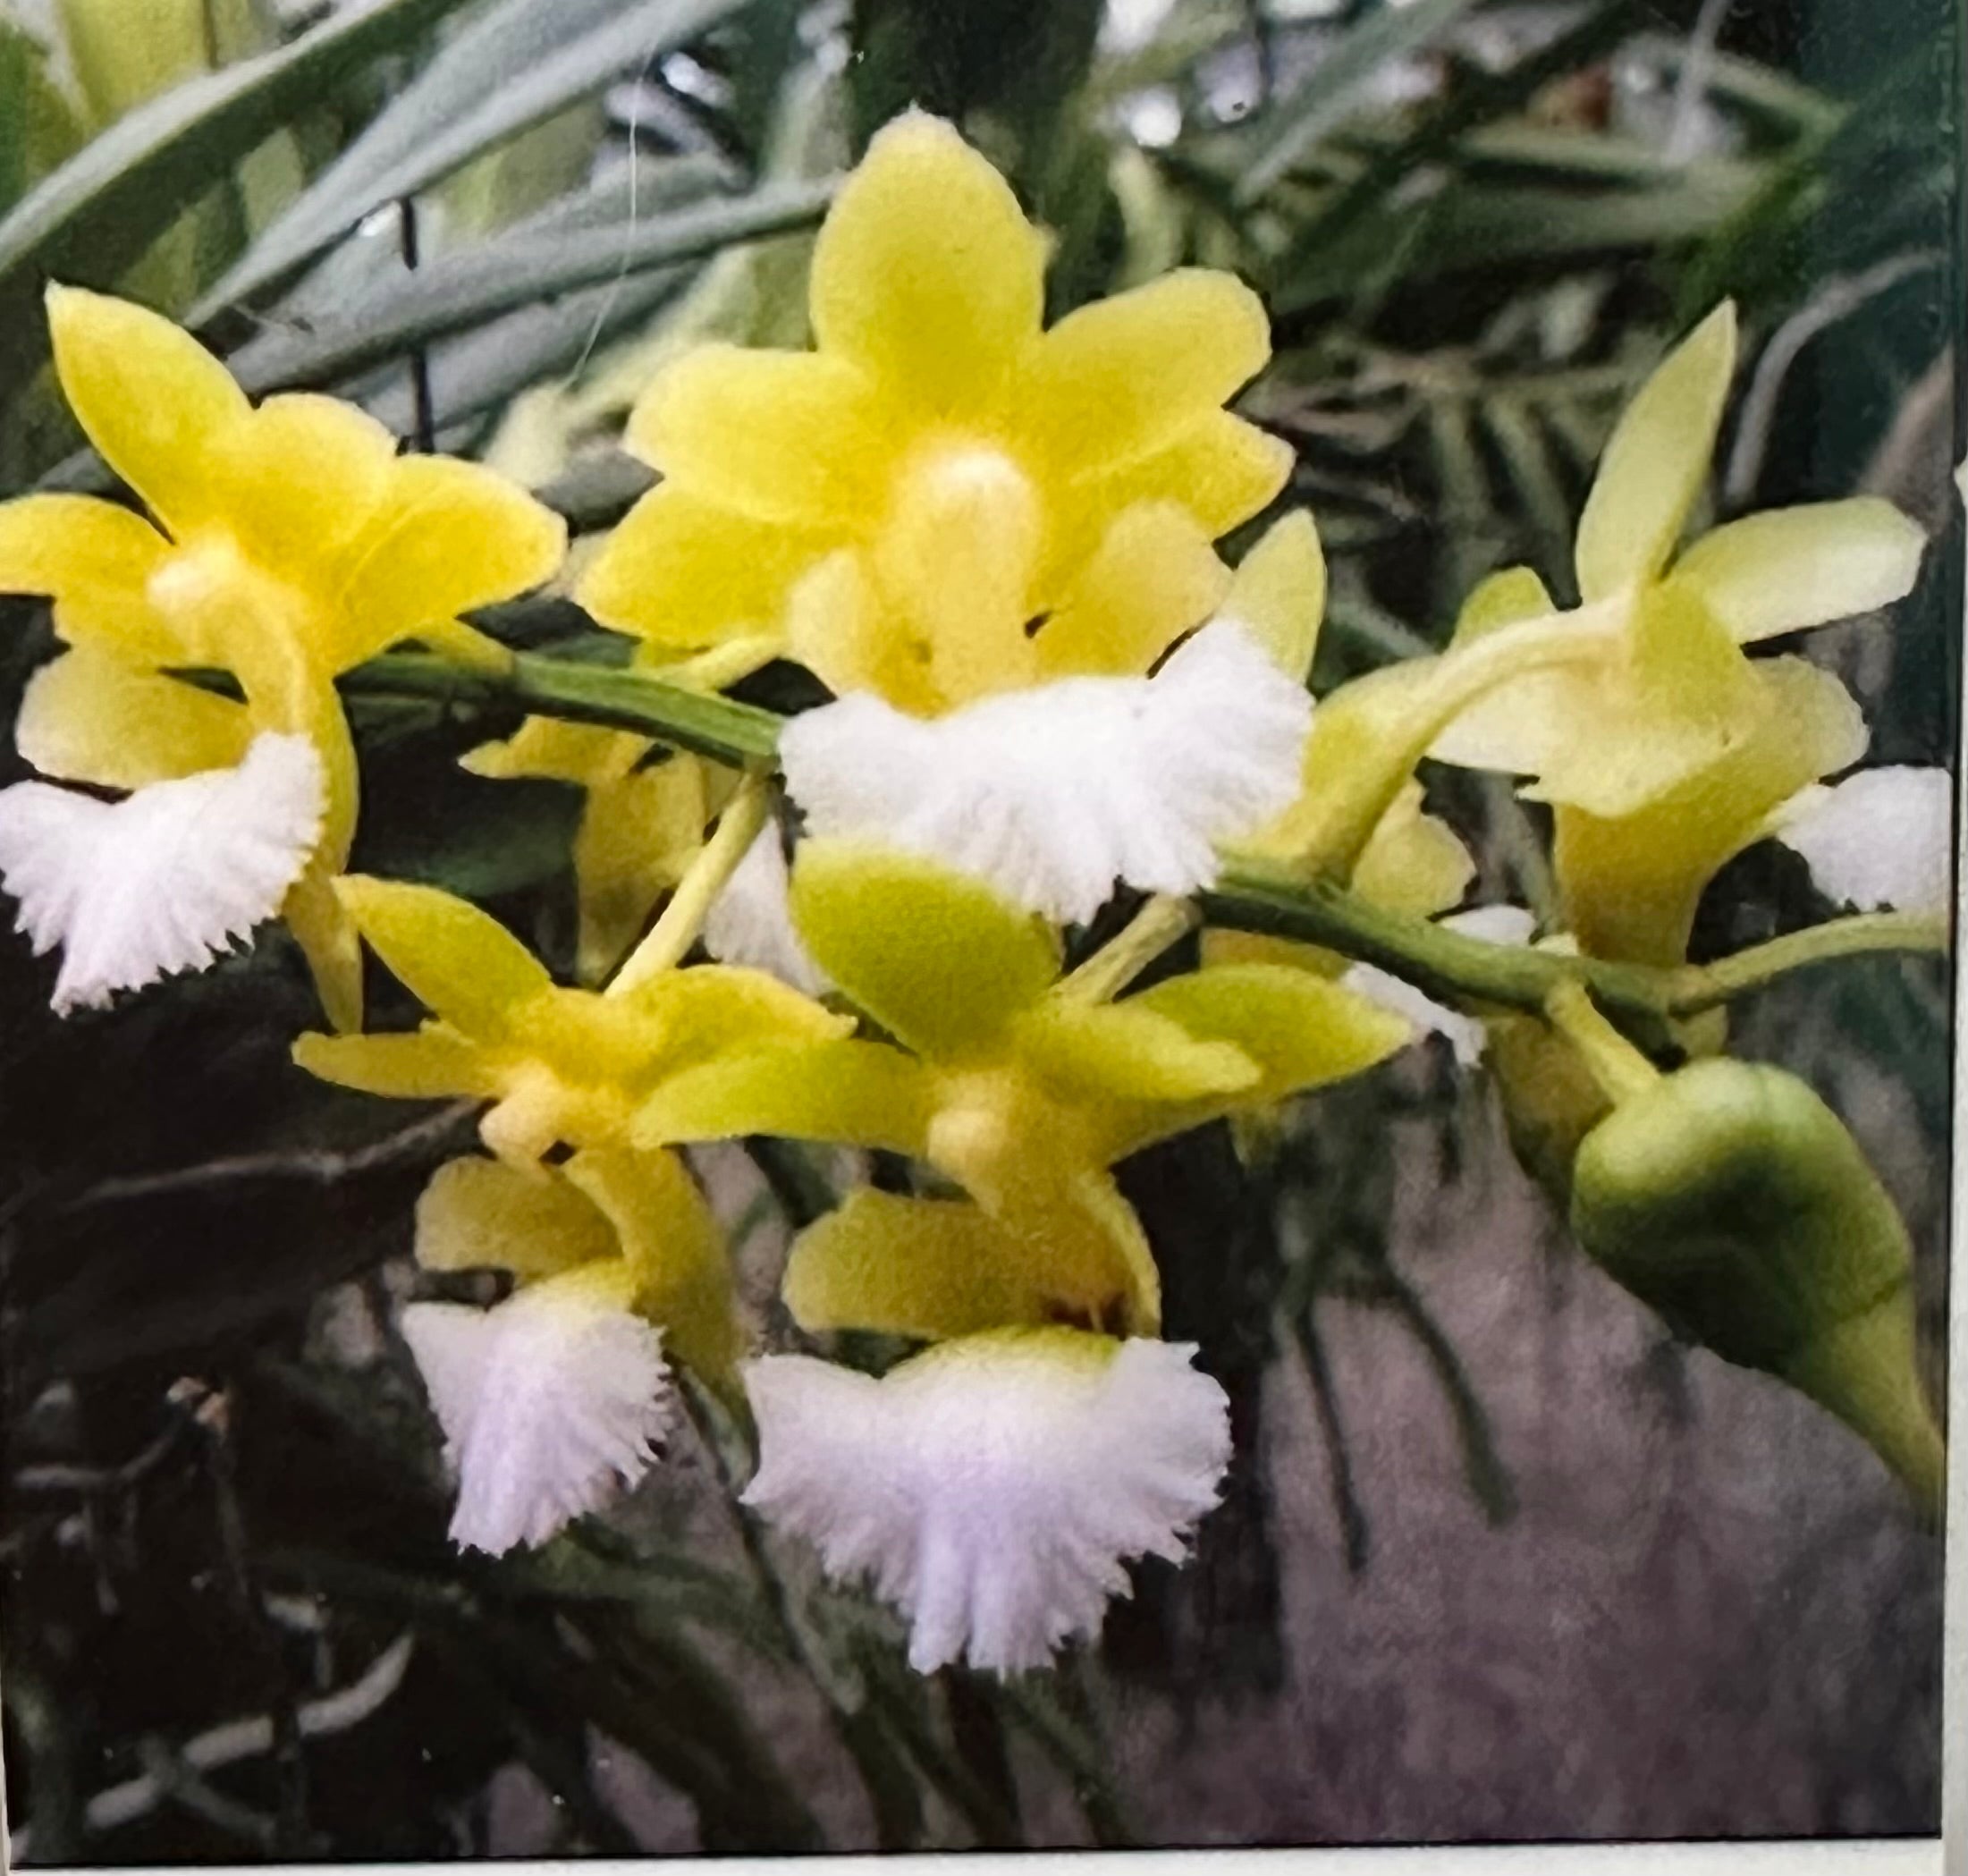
(995, 543)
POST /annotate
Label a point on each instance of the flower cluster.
(996, 544)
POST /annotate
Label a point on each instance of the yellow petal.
(1630, 885)
(1508, 596)
(680, 572)
(838, 626)
(429, 1065)
(716, 1009)
(298, 478)
(1301, 1030)
(936, 1268)
(636, 838)
(1656, 461)
(1280, 592)
(1797, 567)
(1093, 1052)
(327, 939)
(1414, 863)
(94, 560)
(150, 397)
(459, 961)
(549, 749)
(1221, 469)
(448, 536)
(89, 717)
(1125, 377)
(938, 960)
(854, 1093)
(674, 1246)
(791, 437)
(1155, 577)
(927, 273)
(481, 1214)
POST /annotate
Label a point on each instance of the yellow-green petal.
(1792, 568)
(429, 1065)
(938, 960)
(481, 1214)
(1509, 596)
(711, 1008)
(927, 273)
(89, 717)
(1656, 461)
(460, 962)
(150, 397)
(938, 1268)
(1155, 577)
(853, 1094)
(1280, 592)
(1106, 1052)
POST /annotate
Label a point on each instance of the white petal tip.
(551, 1402)
(994, 1488)
(1051, 795)
(1882, 838)
(165, 880)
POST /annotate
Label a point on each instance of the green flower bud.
(1732, 1201)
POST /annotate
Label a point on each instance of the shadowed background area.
(1498, 1558)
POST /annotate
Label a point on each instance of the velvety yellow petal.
(433, 1063)
(681, 572)
(1630, 885)
(854, 1093)
(94, 560)
(328, 940)
(1656, 461)
(89, 717)
(460, 962)
(936, 1268)
(791, 437)
(1301, 1030)
(938, 959)
(450, 536)
(1155, 577)
(298, 478)
(1221, 469)
(1797, 567)
(481, 1214)
(150, 397)
(838, 626)
(1098, 1051)
(1280, 592)
(675, 1247)
(549, 749)
(1124, 377)
(927, 273)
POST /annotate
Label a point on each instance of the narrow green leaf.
(464, 290)
(1331, 90)
(100, 210)
(512, 68)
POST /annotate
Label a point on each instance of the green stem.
(1696, 987)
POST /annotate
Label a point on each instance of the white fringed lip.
(1052, 794)
(167, 878)
(993, 1488)
(1882, 837)
(750, 921)
(551, 1402)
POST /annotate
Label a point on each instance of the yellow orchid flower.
(285, 543)
(553, 1397)
(1675, 691)
(945, 500)
(1006, 1081)
(559, 1066)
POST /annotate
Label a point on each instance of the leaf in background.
(100, 211)
(464, 290)
(40, 129)
(1329, 93)
(511, 69)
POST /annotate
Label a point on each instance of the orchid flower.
(559, 1066)
(555, 1396)
(284, 544)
